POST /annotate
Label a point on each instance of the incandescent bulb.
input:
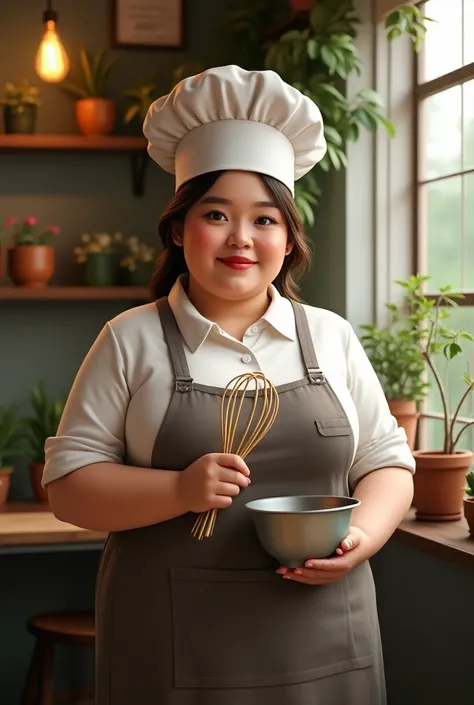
(52, 63)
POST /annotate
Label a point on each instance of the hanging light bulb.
(52, 63)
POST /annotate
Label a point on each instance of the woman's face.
(235, 238)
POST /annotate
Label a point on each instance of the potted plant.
(44, 422)
(95, 112)
(97, 252)
(440, 473)
(20, 106)
(11, 446)
(141, 98)
(398, 360)
(31, 257)
(469, 501)
(315, 51)
(138, 262)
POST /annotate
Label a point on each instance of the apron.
(188, 622)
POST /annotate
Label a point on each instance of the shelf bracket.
(139, 163)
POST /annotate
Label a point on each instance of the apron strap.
(315, 374)
(183, 380)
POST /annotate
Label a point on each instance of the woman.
(217, 622)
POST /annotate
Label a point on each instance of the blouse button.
(246, 358)
(254, 329)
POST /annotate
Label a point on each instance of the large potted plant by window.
(316, 52)
(396, 355)
(95, 111)
(440, 473)
(11, 446)
(31, 256)
(42, 424)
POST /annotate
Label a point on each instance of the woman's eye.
(215, 215)
(267, 219)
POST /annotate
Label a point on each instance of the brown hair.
(171, 263)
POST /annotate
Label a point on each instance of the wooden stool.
(71, 628)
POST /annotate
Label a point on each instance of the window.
(445, 182)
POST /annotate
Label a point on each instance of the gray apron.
(188, 622)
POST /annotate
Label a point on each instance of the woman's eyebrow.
(228, 202)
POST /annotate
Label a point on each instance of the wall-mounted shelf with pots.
(135, 147)
(75, 293)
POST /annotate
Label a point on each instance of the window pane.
(442, 134)
(461, 318)
(443, 45)
(468, 127)
(469, 232)
(442, 216)
(468, 31)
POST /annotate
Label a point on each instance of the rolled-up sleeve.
(381, 442)
(93, 422)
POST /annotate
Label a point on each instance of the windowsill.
(449, 541)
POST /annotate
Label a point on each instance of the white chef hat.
(230, 118)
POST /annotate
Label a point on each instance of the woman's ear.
(289, 248)
(177, 234)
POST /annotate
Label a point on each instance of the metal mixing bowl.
(294, 529)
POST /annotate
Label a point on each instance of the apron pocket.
(250, 628)
(338, 426)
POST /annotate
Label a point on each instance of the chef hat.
(230, 118)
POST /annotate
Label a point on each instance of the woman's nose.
(240, 236)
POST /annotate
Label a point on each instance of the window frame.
(422, 91)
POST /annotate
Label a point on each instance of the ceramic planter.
(302, 5)
(36, 475)
(19, 121)
(141, 275)
(469, 513)
(95, 116)
(407, 417)
(5, 479)
(100, 269)
(31, 266)
(439, 484)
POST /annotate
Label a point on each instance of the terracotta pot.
(5, 479)
(407, 418)
(95, 116)
(36, 474)
(439, 484)
(469, 513)
(31, 265)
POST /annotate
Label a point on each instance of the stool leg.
(46, 690)
(31, 689)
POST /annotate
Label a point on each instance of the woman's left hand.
(352, 551)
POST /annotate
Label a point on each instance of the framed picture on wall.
(147, 24)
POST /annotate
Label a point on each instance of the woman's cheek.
(201, 239)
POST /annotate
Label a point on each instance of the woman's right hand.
(212, 481)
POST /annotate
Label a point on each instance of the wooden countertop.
(29, 523)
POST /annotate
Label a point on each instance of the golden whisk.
(237, 387)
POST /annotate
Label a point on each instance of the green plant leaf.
(87, 73)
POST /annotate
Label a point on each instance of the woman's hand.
(352, 551)
(212, 481)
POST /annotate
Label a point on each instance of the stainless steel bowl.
(294, 529)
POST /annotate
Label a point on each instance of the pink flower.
(31, 220)
(9, 222)
(54, 230)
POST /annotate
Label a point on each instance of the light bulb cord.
(49, 15)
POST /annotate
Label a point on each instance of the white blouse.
(122, 390)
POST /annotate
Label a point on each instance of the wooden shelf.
(65, 142)
(75, 293)
(134, 147)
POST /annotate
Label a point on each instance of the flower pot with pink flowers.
(31, 255)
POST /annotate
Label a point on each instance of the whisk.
(267, 396)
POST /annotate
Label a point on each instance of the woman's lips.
(237, 263)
